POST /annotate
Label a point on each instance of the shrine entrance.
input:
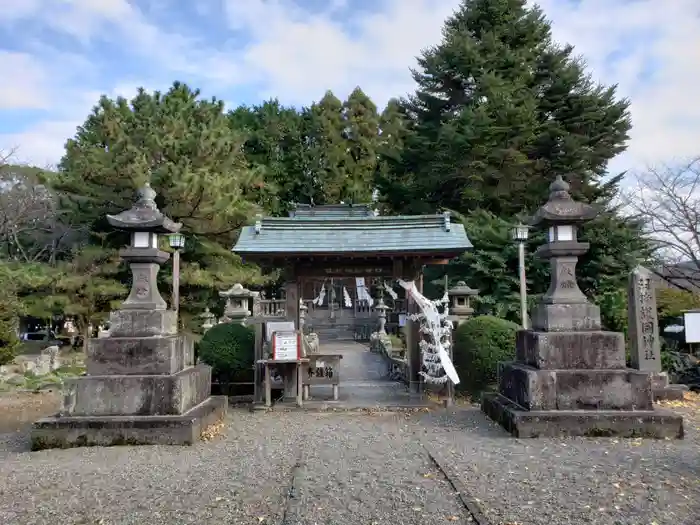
(338, 264)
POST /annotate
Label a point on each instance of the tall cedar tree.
(276, 144)
(499, 111)
(328, 148)
(392, 134)
(363, 144)
(194, 160)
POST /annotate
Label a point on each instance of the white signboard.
(285, 346)
(278, 326)
(692, 327)
(402, 319)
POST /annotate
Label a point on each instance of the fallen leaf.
(453, 518)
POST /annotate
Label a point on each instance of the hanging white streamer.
(346, 298)
(437, 328)
(318, 301)
(362, 292)
(391, 292)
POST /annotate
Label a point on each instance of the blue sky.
(58, 56)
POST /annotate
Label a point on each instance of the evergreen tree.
(328, 148)
(363, 144)
(195, 161)
(276, 144)
(392, 133)
(499, 111)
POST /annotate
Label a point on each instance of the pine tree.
(500, 110)
(193, 158)
(363, 144)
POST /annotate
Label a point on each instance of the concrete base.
(523, 423)
(185, 429)
(670, 393)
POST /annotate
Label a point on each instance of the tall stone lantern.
(141, 384)
(563, 306)
(570, 377)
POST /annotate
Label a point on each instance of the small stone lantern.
(381, 309)
(460, 296)
(564, 306)
(145, 221)
(208, 319)
(237, 297)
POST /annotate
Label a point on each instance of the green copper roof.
(330, 231)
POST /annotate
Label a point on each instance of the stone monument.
(645, 341)
(141, 384)
(570, 377)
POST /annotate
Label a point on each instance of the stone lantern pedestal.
(570, 377)
(141, 385)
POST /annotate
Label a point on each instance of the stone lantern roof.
(461, 290)
(561, 208)
(144, 215)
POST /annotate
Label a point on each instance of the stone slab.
(571, 350)
(566, 317)
(536, 389)
(139, 355)
(521, 423)
(131, 395)
(142, 323)
(185, 429)
(670, 393)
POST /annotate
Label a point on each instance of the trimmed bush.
(479, 345)
(229, 349)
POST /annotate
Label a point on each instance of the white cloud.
(28, 82)
(297, 55)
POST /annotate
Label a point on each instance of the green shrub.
(229, 349)
(479, 345)
(9, 343)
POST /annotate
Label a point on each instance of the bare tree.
(31, 229)
(667, 200)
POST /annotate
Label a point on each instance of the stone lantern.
(141, 385)
(460, 298)
(237, 297)
(144, 221)
(381, 309)
(570, 377)
(563, 306)
(208, 319)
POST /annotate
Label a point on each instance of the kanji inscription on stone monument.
(645, 345)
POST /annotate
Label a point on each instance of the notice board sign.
(286, 346)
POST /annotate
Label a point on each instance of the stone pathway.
(364, 379)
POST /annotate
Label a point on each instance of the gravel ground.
(575, 480)
(355, 469)
(370, 470)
